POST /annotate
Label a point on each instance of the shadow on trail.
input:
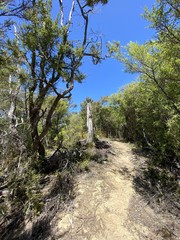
(40, 230)
(59, 194)
(157, 185)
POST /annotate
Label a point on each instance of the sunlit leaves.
(93, 2)
(165, 19)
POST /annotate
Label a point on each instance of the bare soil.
(107, 206)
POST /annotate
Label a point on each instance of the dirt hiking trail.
(107, 207)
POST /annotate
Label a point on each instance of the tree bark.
(90, 133)
(38, 146)
(13, 123)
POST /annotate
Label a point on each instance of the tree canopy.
(47, 59)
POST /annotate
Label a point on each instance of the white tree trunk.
(13, 94)
(11, 113)
(90, 133)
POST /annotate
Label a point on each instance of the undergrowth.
(35, 188)
(158, 182)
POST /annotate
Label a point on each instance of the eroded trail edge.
(107, 205)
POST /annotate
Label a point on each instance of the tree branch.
(85, 16)
(62, 12)
(71, 12)
(52, 109)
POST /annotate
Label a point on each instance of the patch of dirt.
(107, 207)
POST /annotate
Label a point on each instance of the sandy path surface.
(106, 206)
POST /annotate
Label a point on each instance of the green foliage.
(73, 131)
(59, 121)
(84, 165)
(24, 190)
(113, 48)
(158, 60)
(173, 131)
(164, 18)
(148, 119)
(91, 3)
(150, 108)
(104, 122)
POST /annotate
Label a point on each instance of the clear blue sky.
(121, 21)
(118, 20)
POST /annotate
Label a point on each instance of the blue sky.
(121, 21)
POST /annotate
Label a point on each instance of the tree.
(60, 119)
(90, 130)
(74, 130)
(153, 63)
(10, 9)
(151, 107)
(105, 121)
(51, 60)
(164, 18)
(14, 7)
(158, 60)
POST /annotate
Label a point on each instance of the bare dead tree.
(90, 131)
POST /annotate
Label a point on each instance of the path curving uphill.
(107, 207)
